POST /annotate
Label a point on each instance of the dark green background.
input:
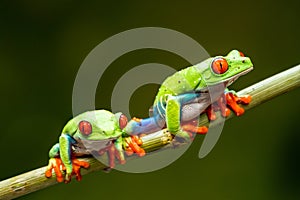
(42, 45)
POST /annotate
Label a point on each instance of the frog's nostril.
(243, 61)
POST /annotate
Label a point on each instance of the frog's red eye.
(85, 127)
(123, 121)
(242, 54)
(219, 66)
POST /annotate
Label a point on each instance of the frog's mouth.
(223, 84)
(89, 146)
(229, 81)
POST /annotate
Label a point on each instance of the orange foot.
(233, 100)
(195, 129)
(136, 119)
(226, 101)
(132, 145)
(57, 165)
(191, 127)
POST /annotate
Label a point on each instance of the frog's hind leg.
(173, 119)
(148, 125)
(155, 122)
(192, 127)
(178, 114)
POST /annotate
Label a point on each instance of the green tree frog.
(94, 131)
(181, 98)
(186, 94)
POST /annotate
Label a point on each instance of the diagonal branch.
(261, 92)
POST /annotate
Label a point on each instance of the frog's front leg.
(65, 142)
(231, 100)
(56, 165)
(116, 150)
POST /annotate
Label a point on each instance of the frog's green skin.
(99, 126)
(187, 86)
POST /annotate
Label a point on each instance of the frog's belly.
(194, 108)
(85, 147)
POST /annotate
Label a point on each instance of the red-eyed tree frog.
(186, 94)
(94, 131)
(181, 98)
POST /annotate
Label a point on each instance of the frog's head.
(225, 69)
(97, 125)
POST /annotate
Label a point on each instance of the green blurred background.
(42, 45)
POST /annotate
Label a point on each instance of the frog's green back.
(201, 75)
(182, 81)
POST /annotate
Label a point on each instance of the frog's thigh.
(173, 115)
(185, 98)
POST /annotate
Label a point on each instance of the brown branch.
(261, 92)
